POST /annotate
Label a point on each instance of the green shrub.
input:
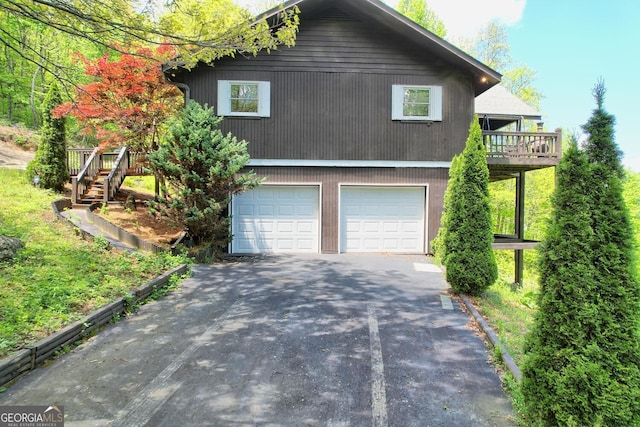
(202, 168)
(466, 238)
(582, 358)
(50, 162)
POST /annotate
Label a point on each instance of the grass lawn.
(57, 278)
(508, 309)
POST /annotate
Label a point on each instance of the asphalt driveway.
(322, 340)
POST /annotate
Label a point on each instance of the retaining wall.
(33, 356)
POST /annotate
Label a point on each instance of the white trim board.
(349, 163)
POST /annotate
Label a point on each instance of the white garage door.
(272, 219)
(382, 219)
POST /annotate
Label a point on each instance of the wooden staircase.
(100, 176)
(94, 192)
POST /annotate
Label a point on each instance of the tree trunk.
(34, 111)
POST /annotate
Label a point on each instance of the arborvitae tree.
(467, 236)
(202, 168)
(50, 162)
(439, 245)
(582, 356)
(601, 145)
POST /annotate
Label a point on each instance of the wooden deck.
(510, 153)
(96, 176)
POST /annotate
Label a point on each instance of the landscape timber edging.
(27, 359)
(62, 204)
(493, 339)
(121, 234)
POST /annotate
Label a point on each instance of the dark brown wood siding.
(331, 178)
(331, 96)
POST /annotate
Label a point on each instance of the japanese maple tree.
(127, 103)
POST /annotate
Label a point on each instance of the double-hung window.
(416, 103)
(244, 98)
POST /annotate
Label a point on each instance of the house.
(353, 129)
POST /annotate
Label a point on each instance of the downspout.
(184, 88)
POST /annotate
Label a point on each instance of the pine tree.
(582, 356)
(50, 162)
(467, 234)
(202, 168)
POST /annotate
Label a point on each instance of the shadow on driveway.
(322, 340)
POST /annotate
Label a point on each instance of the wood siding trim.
(331, 96)
(346, 163)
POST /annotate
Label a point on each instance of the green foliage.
(631, 193)
(38, 38)
(203, 169)
(419, 12)
(57, 278)
(466, 235)
(601, 146)
(50, 162)
(583, 354)
(491, 47)
(216, 28)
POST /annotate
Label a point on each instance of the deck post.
(74, 189)
(519, 227)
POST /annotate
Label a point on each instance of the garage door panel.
(276, 219)
(382, 219)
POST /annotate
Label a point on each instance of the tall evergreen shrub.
(202, 168)
(582, 355)
(467, 234)
(50, 162)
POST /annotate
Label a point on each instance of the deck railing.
(82, 181)
(523, 144)
(135, 164)
(118, 172)
(77, 158)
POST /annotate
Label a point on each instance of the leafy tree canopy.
(198, 30)
(128, 101)
(491, 46)
(419, 12)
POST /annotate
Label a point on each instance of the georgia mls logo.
(31, 416)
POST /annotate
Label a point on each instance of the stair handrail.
(117, 174)
(79, 180)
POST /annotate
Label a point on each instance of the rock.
(130, 203)
(9, 247)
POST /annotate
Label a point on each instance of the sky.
(570, 44)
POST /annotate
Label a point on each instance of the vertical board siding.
(332, 178)
(331, 96)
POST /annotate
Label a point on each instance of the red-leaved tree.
(127, 103)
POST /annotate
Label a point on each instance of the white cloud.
(463, 18)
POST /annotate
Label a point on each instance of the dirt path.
(14, 157)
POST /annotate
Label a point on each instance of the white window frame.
(224, 99)
(435, 103)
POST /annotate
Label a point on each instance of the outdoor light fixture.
(36, 180)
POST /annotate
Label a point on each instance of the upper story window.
(416, 103)
(244, 98)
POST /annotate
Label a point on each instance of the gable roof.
(501, 107)
(379, 12)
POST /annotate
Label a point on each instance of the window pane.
(416, 110)
(244, 98)
(416, 102)
(416, 95)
